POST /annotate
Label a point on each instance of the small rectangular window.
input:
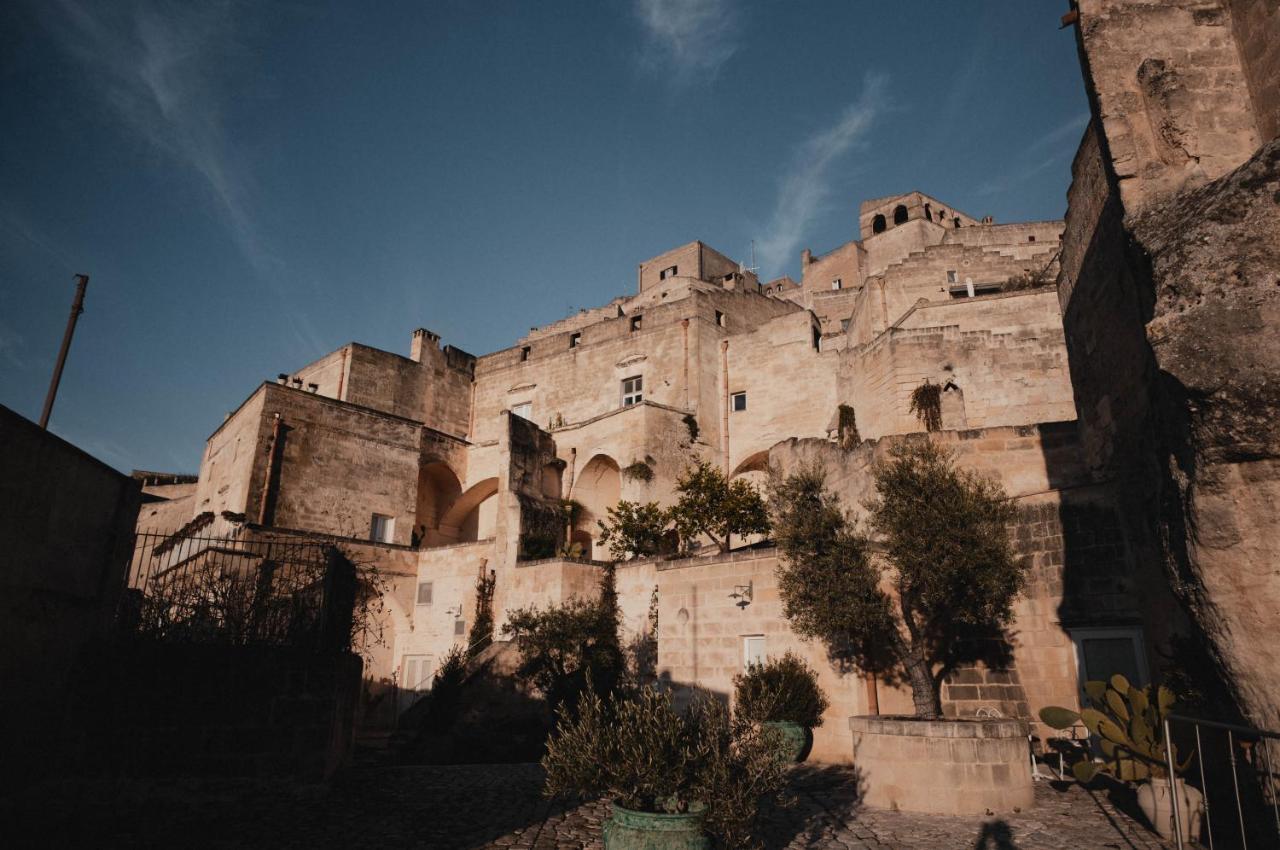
(753, 651)
(424, 593)
(574, 339)
(382, 528)
(459, 627)
(844, 324)
(738, 401)
(720, 320)
(632, 391)
(669, 271)
(524, 354)
(1031, 239)
(636, 322)
(837, 284)
(951, 276)
(524, 410)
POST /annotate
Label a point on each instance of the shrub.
(482, 626)
(639, 470)
(568, 648)
(954, 576)
(781, 689)
(646, 755)
(712, 505)
(446, 689)
(634, 530)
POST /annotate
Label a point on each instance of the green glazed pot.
(632, 830)
(796, 738)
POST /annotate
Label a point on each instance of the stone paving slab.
(471, 807)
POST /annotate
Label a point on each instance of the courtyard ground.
(499, 806)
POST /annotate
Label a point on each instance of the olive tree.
(939, 593)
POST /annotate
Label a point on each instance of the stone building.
(442, 467)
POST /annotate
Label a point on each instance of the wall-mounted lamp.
(743, 593)
(455, 611)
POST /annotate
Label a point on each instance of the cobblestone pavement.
(499, 806)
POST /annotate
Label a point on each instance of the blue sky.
(251, 185)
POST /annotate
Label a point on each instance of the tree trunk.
(924, 694)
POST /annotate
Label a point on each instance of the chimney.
(806, 257)
(422, 338)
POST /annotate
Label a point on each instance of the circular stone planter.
(951, 767)
(795, 738)
(628, 829)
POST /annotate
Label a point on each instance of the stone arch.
(900, 214)
(953, 413)
(472, 514)
(928, 212)
(438, 489)
(754, 468)
(878, 224)
(596, 488)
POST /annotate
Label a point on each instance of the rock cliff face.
(1214, 332)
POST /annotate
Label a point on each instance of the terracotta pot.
(1157, 804)
(628, 829)
(795, 736)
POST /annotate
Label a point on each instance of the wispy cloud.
(165, 72)
(687, 39)
(804, 190)
(1044, 152)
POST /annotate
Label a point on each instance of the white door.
(416, 672)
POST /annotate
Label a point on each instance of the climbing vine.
(640, 470)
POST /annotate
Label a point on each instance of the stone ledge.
(958, 728)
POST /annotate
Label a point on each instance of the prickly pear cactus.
(1129, 725)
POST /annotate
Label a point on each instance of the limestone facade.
(440, 468)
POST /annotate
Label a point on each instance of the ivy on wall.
(926, 404)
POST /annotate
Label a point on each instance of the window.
(636, 322)
(837, 284)
(951, 275)
(878, 224)
(738, 401)
(524, 354)
(900, 214)
(459, 627)
(844, 324)
(524, 410)
(956, 220)
(753, 651)
(720, 320)
(669, 271)
(417, 672)
(632, 391)
(928, 212)
(1031, 239)
(817, 339)
(574, 339)
(382, 528)
(424, 593)
(1101, 653)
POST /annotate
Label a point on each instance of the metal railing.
(1258, 773)
(237, 589)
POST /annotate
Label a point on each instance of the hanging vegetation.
(639, 470)
(926, 404)
(847, 425)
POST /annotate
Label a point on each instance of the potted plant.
(782, 693)
(1129, 726)
(674, 777)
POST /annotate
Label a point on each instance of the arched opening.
(597, 488)
(438, 489)
(928, 212)
(472, 515)
(878, 224)
(755, 470)
(956, 221)
(900, 214)
(953, 415)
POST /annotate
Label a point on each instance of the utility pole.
(77, 307)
